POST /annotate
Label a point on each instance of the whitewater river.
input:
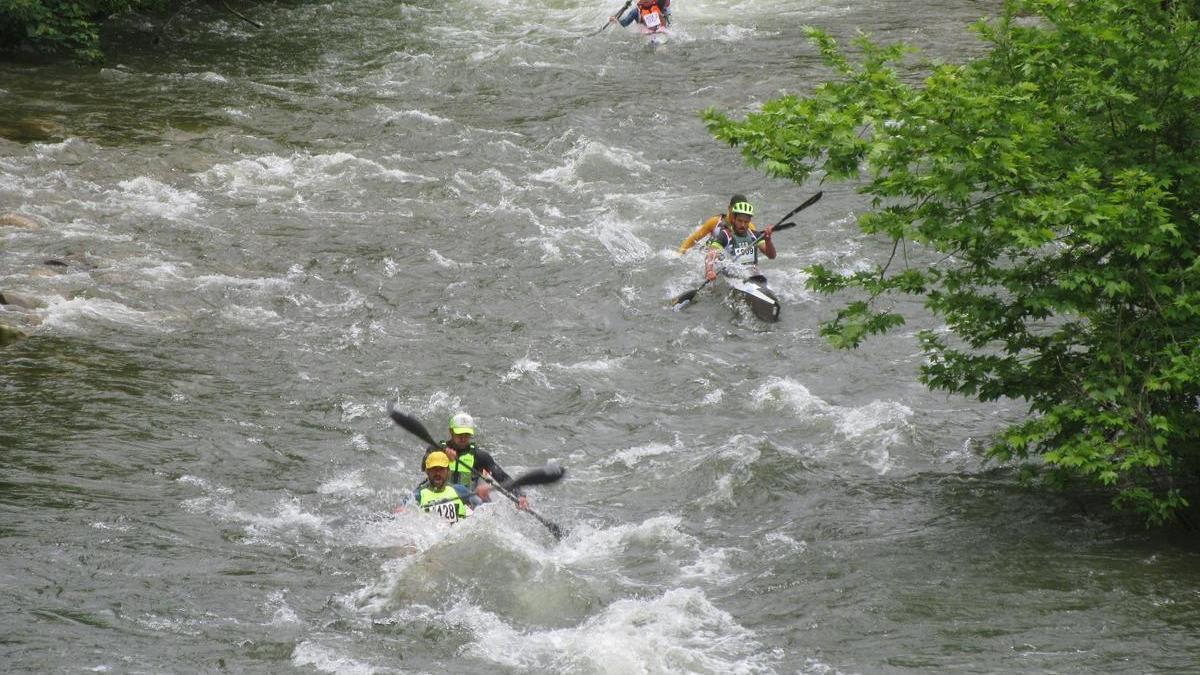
(270, 234)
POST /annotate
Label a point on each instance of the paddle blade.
(412, 425)
(683, 299)
(551, 473)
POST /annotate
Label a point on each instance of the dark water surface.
(273, 233)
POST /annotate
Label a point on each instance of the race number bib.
(446, 510)
(743, 249)
(652, 20)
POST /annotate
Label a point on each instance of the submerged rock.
(9, 335)
(26, 301)
(18, 220)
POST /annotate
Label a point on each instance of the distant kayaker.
(734, 242)
(707, 227)
(653, 14)
(437, 495)
(468, 463)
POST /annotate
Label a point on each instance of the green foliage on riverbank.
(62, 26)
(1052, 189)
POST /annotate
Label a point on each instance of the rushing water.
(270, 234)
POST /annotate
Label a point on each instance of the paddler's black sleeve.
(485, 462)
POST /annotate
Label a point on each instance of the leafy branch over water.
(73, 26)
(1053, 185)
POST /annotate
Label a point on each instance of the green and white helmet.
(742, 207)
(462, 423)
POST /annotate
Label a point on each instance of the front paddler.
(437, 495)
(736, 243)
(707, 227)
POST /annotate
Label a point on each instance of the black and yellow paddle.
(550, 473)
(683, 299)
(618, 14)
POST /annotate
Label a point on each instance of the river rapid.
(267, 235)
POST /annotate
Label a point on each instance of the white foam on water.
(872, 428)
(618, 239)
(526, 368)
(490, 180)
(69, 145)
(352, 411)
(591, 545)
(442, 404)
(680, 631)
(794, 546)
(631, 457)
(205, 281)
(206, 76)
(271, 176)
(792, 394)
(289, 520)
(443, 261)
(734, 33)
(250, 317)
(349, 483)
(204, 484)
(160, 272)
(423, 116)
(328, 660)
(588, 161)
(595, 366)
(711, 567)
(76, 313)
(281, 613)
(176, 625)
(154, 198)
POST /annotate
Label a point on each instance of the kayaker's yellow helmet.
(462, 423)
(436, 459)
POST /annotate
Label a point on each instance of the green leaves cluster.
(1053, 186)
(61, 26)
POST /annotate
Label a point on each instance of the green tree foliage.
(1052, 186)
(61, 26)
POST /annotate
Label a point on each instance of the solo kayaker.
(437, 495)
(653, 14)
(735, 240)
(707, 227)
(468, 463)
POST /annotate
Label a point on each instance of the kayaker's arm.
(701, 232)
(629, 17)
(767, 246)
(486, 463)
(715, 253)
(467, 496)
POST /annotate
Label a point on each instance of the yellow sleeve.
(701, 232)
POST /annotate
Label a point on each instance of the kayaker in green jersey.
(437, 495)
(468, 463)
(706, 228)
(734, 242)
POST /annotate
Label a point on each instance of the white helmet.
(461, 423)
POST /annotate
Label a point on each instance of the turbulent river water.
(270, 234)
